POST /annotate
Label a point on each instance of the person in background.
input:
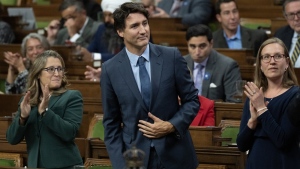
(106, 42)
(192, 12)
(92, 8)
(52, 30)
(231, 34)
(266, 130)
(289, 34)
(49, 116)
(79, 28)
(136, 86)
(19, 64)
(6, 32)
(214, 74)
(206, 113)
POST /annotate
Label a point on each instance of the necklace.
(268, 100)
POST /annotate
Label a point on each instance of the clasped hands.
(257, 103)
(15, 61)
(25, 104)
(157, 129)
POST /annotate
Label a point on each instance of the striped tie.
(296, 52)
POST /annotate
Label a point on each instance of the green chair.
(9, 2)
(11, 160)
(94, 163)
(229, 132)
(96, 128)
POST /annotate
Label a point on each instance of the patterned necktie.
(175, 8)
(296, 52)
(145, 81)
(199, 78)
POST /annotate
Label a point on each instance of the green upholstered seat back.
(98, 130)
(7, 163)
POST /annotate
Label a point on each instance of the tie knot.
(141, 61)
(200, 67)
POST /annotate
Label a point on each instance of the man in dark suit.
(140, 100)
(79, 28)
(192, 12)
(232, 35)
(214, 74)
(289, 34)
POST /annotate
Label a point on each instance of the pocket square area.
(212, 85)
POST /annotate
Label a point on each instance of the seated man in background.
(232, 35)
(79, 28)
(289, 34)
(192, 12)
(18, 65)
(6, 32)
(214, 74)
(106, 42)
(206, 113)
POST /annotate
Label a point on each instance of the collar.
(202, 63)
(134, 58)
(234, 37)
(84, 25)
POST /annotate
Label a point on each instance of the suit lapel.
(209, 70)
(156, 68)
(246, 38)
(88, 28)
(125, 71)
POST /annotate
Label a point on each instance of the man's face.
(136, 33)
(72, 15)
(199, 48)
(108, 18)
(229, 16)
(291, 9)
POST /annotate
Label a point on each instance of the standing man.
(289, 34)
(214, 74)
(79, 28)
(232, 35)
(140, 88)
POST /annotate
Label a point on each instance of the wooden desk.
(277, 23)
(9, 104)
(229, 156)
(166, 24)
(204, 136)
(228, 111)
(5, 121)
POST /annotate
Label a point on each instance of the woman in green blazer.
(48, 116)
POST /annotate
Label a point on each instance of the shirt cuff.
(97, 59)
(74, 37)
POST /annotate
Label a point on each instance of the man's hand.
(92, 74)
(160, 13)
(71, 27)
(158, 129)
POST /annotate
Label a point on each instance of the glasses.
(291, 16)
(277, 57)
(52, 69)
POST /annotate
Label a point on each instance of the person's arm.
(19, 84)
(112, 121)
(245, 137)
(200, 13)
(16, 131)
(65, 127)
(210, 117)
(188, 95)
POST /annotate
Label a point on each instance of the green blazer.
(50, 138)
